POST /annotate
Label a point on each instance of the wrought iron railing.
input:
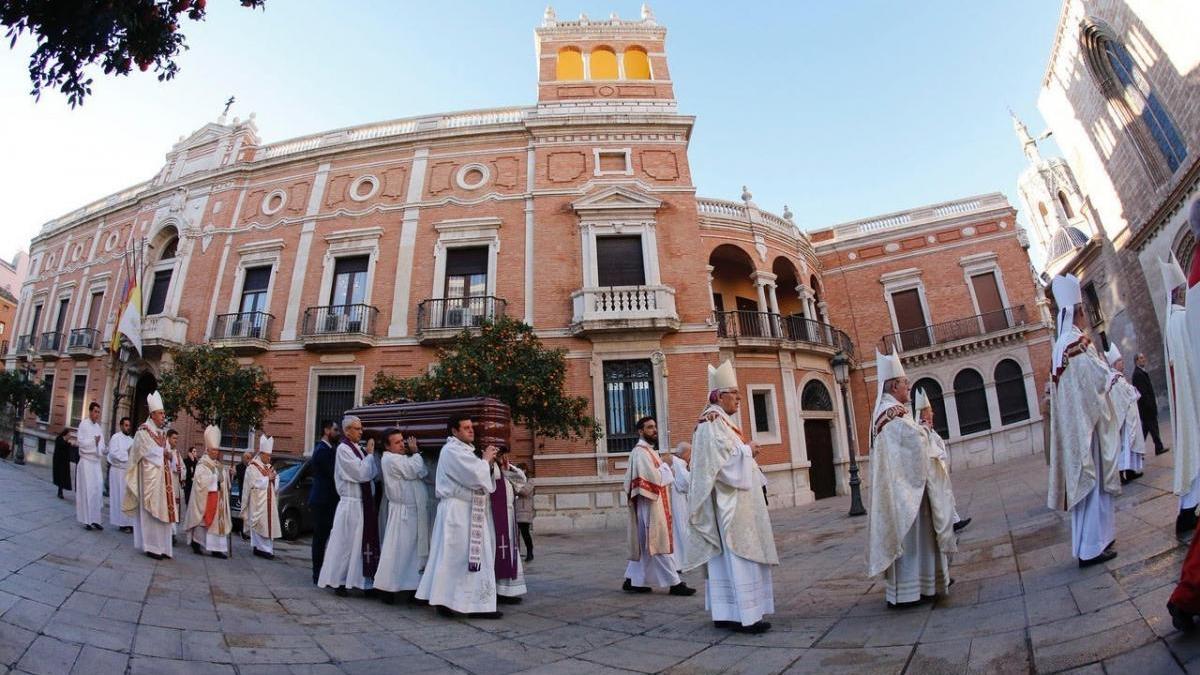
(86, 339)
(436, 313)
(966, 328)
(340, 320)
(50, 343)
(243, 325)
(768, 325)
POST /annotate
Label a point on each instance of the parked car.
(281, 463)
(294, 516)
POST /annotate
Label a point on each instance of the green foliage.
(23, 394)
(506, 361)
(210, 386)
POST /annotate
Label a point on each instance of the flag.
(129, 318)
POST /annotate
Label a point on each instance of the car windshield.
(287, 474)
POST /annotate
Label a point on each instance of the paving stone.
(49, 656)
(898, 627)
(1001, 654)
(985, 618)
(92, 630)
(1151, 658)
(643, 654)
(864, 661)
(14, 640)
(148, 665)
(1096, 592)
(739, 659)
(941, 658)
(96, 661)
(500, 657)
(28, 614)
(570, 640)
(1094, 647)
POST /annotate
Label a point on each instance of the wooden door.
(818, 438)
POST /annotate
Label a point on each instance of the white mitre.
(887, 367)
(1067, 295)
(265, 445)
(722, 377)
(1112, 355)
(1172, 276)
(212, 437)
(922, 401)
(154, 401)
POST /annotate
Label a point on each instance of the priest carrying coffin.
(209, 520)
(911, 526)
(729, 529)
(149, 498)
(1183, 392)
(1083, 442)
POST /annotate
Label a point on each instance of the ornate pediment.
(616, 199)
(206, 134)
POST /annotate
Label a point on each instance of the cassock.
(208, 518)
(679, 507)
(405, 546)
(910, 530)
(461, 572)
(729, 529)
(117, 454)
(1084, 444)
(260, 507)
(149, 497)
(175, 467)
(89, 476)
(510, 573)
(647, 484)
(1129, 420)
(1183, 371)
(352, 555)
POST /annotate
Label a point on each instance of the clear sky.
(841, 110)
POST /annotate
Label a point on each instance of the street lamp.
(27, 372)
(841, 373)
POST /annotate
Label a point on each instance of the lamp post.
(841, 373)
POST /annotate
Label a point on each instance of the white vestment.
(89, 477)
(447, 581)
(260, 507)
(147, 459)
(117, 454)
(940, 471)
(512, 588)
(1133, 441)
(209, 478)
(1093, 520)
(652, 570)
(738, 589)
(343, 564)
(405, 542)
(1183, 389)
(679, 507)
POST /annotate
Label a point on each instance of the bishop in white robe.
(729, 529)
(352, 555)
(1084, 444)
(89, 475)
(1183, 393)
(460, 576)
(209, 521)
(149, 496)
(117, 455)
(939, 466)
(260, 505)
(679, 499)
(1125, 404)
(405, 545)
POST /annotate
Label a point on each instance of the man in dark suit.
(322, 496)
(1147, 404)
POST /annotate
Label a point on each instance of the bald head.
(684, 451)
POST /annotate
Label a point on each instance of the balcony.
(620, 309)
(440, 319)
(83, 343)
(959, 335)
(23, 346)
(244, 333)
(339, 327)
(769, 331)
(50, 346)
(161, 332)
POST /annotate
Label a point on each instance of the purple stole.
(370, 520)
(506, 543)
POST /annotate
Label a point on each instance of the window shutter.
(619, 261)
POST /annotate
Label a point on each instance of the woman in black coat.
(62, 463)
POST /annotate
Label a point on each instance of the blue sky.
(841, 110)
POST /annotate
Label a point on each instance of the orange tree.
(505, 360)
(211, 386)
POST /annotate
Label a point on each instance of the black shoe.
(962, 524)
(88, 528)
(218, 554)
(446, 612)
(196, 549)
(528, 557)
(486, 615)
(128, 529)
(264, 554)
(628, 587)
(97, 526)
(757, 628)
(1162, 451)
(1186, 521)
(341, 591)
(726, 624)
(508, 599)
(60, 493)
(388, 598)
(1104, 557)
(1181, 620)
(1125, 478)
(414, 600)
(1134, 475)
(905, 605)
(681, 589)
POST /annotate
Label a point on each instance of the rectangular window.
(254, 289)
(910, 319)
(349, 281)
(612, 161)
(158, 292)
(48, 380)
(93, 320)
(466, 272)
(764, 425)
(78, 393)
(240, 440)
(335, 395)
(61, 321)
(34, 326)
(619, 261)
(991, 306)
(628, 396)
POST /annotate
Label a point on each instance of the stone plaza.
(75, 601)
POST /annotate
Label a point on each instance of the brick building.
(950, 288)
(1121, 94)
(12, 275)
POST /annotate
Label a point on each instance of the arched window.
(1123, 83)
(934, 391)
(816, 397)
(637, 64)
(1010, 392)
(604, 64)
(169, 249)
(570, 64)
(1066, 204)
(970, 400)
